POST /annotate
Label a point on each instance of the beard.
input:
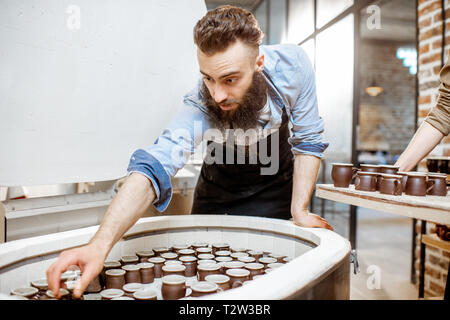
(246, 114)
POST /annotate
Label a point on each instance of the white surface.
(75, 103)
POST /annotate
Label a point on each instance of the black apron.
(241, 189)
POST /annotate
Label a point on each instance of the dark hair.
(223, 26)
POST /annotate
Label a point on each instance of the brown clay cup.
(203, 288)
(206, 269)
(173, 287)
(416, 185)
(238, 277)
(158, 263)
(223, 281)
(147, 270)
(190, 262)
(133, 274)
(115, 279)
(391, 184)
(437, 184)
(342, 174)
(366, 181)
(255, 269)
(178, 269)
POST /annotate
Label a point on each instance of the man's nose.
(220, 95)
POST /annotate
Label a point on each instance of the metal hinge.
(354, 260)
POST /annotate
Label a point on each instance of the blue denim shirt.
(291, 80)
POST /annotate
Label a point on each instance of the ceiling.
(245, 4)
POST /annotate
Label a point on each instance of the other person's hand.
(310, 220)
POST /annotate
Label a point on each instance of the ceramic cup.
(186, 252)
(266, 260)
(369, 167)
(202, 288)
(255, 268)
(238, 276)
(237, 249)
(145, 294)
(129, 260)
(172, 262)
(342, 174)
(64, 294)
(145, 255)
(178, 269)
(205, 261)
(236, 255)
(219, 246)
(159, 250)
(179, 246)
(130, 288)
(41, 285)
(147, 270)
(200, 244)
(206, 269)
(173, 287)
(169, 255)
(190, 262)
(132, 273)
(279, 257)
(416, 185)
(109, 294)
(108, 265)
(223, 281)
(158, 263)
(391, 184)
(26, 292)
(223, 253)
(256, 254)
(366, 181)
(247, 259)
(115, 278)
(203, 250)
(437, 184)
(205, 256)
(232, 265)
(274, 265)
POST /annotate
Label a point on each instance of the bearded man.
(244, 87)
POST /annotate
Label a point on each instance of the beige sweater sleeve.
(439, 116)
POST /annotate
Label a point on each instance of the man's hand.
(311, 220)
(88, 258)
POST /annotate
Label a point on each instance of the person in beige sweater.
(435, 127)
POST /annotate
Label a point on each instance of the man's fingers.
(87, 276)
(56, 269)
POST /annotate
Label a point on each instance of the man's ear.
(259, 62)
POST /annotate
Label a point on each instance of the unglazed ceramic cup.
(391, 184)
(174, 269)
(342, 174)
(219, 246)
(238, 276)
(129, 260)
(173, 287)
(131, 288)
(133, 274)
(158, 263)
(266, 260)
(206, 269)
(369, 167)
(115, 278)
(437, 184)
(27, 292)
(145, 294)
(223, 281)
(109, 294)
(255, 268)
(202, 288)
(169, 255)
(147, 270)
(144, 255)
(190, 262)
(366, 181)
(159, 250)
(416, 185)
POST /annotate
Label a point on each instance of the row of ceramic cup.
(388, 180)
(144, 266)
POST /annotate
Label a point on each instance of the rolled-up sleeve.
(170, 152)
(307, 125)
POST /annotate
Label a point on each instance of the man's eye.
(231, 80)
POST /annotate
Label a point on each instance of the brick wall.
(430, 50)
(380, 116)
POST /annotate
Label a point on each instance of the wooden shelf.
(434, 241)
(429, 208)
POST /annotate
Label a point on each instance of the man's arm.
(306, 168)
(129, 204)
(425, 139)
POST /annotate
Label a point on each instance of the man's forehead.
(235, 58)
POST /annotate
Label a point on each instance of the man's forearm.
(306, 169)
(129, 204)
(425, 139)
